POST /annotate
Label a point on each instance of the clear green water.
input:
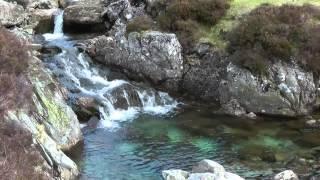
(142, 148)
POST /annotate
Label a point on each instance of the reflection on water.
(141, 149)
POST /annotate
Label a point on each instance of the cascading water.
(118, 100)
(58, 23)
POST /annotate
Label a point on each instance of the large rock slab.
(52, 123)
(83, 18)
(286, 175)
(11, 14)
(151, 56)
(287, 90)
(204, 170)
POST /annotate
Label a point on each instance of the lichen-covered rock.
(152, 56)
(11, 14)
(52, 123)
(117, 9)
(287, 90)
(286, 175)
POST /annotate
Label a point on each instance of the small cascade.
(58, 22)
(117, 100)
(58, 27)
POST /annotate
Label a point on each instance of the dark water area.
(142, 148)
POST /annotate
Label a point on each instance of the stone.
(286, 175)
(202, 176)
(208, 166)
(83, 18)
(11, 14)
(231, 176)
(52, 123)
(42, 20)
(175, 174)
(288, 90)
(251, 115)
(115, 9)
(312, 123)
(42, 4)
(150, 56)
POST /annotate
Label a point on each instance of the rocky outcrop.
(286, 175)
(41, 20)
(52, 123)
(287, 90)
(204, 170)
(152, 56)
(11, 14)
(83, 18)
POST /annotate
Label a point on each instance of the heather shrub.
(14, 87)
(140, 23)
(19, 159)
(185, 16)
(269, 34)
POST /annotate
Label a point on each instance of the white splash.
(77, 73)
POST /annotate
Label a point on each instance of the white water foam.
(58, 27)
(77, 73)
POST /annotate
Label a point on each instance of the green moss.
(56, 114)
(238, 8)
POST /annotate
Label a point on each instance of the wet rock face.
(202, 74)
(42, 20)
(52, 123)
(288, 90)
(152, 56)
(11, 14)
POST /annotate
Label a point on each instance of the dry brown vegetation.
(19, 159)
(271, 33)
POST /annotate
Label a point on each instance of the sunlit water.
(141, 149)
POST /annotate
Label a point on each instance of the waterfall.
(118, 100)
(58, 27)
(58, 22)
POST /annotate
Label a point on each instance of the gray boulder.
(204, 170)
(83, 18)
(117, 9)
(286, 175)
(11, 14)
(288, 90)
(175, 174)
(152, 56)
(52, 123)
(208, 166)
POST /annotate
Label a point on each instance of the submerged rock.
(286, 175)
